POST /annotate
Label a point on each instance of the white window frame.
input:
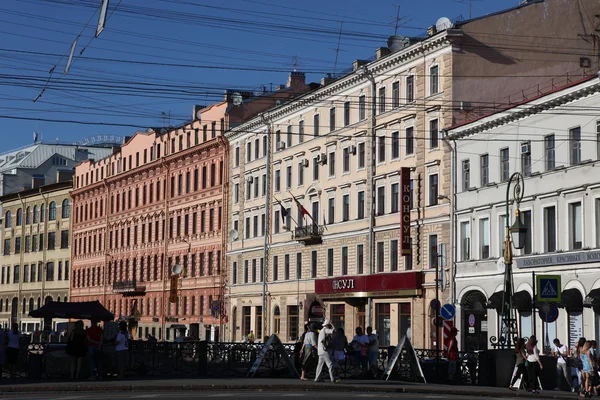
(480, 236)
(460, 240)
(429, 92)
(542, 226)
(568, 230)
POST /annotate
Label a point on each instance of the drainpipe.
(44, 249)
(166, 195)
(267, 230)
(371, 179)
(453, 224)
(224, 143)
(106, 242)
(21, 256)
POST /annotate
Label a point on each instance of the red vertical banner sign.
(406, 249)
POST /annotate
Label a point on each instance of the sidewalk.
(284, 385)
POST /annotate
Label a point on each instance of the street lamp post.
(515, 236)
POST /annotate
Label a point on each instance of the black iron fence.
(217, 359)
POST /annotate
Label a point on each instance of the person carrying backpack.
(324, 344)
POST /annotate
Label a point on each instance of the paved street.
(233, 395)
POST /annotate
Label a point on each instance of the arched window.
(19, 217)
(36, 214)
(28, 216)
(66, 208)
(43, 213)
(47, 299)
(52, 211)
(8, 219)
(24, 306)
(31, 304)
(49, 271)
(39, 302)
(276, 320)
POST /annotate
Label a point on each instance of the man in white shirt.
(562, 369)
(373, 353)
(323, 353)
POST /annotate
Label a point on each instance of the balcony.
(309, 235)
(128, 288)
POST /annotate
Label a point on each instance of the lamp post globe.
(518, 232)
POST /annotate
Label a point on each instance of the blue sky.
(157, 58)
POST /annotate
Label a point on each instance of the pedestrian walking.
(298, 345)
(77, 348)
(251, 337)
(323, 346)
(519, 371)
(12, 350)
(309, 352)
(360, 344)
(533, 364)
(95, 336)
(453, 355)
(562, 367)
(577, 364)
(339, 345)
(121, 348)
(373, 353)
(587, 362)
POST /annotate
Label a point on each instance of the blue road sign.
(448, 311)
(549, 314)
(435, 304)
(548, 288)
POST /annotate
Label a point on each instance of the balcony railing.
(128, 287)
(310, 234)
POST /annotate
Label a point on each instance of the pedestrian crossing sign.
(548, 288)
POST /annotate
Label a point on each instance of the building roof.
(54, 187)
(34, 155)
(524, 3)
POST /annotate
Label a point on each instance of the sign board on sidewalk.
(274, 344)
(411, 355)
(548, 288)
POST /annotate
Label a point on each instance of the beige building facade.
(36, 252)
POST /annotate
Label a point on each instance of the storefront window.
(360, 317)
(293, 322)
(276, 320)
(383, 324)
(575, 327)
(246, 320)
(258, 332)
(526, 324)
(338, 313)
(404, 328)
(549, 335)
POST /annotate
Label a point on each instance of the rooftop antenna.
(470, 2)
(295, 62)
(397, 20)
(337, 50)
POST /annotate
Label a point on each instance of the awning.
(592, 299)
(571, 299)
(521, 300)
(91, 310)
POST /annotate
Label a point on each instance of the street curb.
(308, 387)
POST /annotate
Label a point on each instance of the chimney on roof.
(327, 80)
(358, 63)
(196, 112)
(296, 79)
(382, 52)
(38, 181)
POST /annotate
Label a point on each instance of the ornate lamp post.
(515, 236)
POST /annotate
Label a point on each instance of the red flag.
(301, 207)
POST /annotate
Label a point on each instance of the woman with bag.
(308, 353)
(533, 364)
(519, 364)
(587, 362)
(360, 344)
(77, 348)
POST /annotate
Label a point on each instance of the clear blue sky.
(209, 46)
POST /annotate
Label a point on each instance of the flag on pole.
(303, 210)
(284, 212)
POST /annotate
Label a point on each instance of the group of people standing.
(328, 347)
(583, 359)
(9, 349)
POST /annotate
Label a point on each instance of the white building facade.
(554, 142)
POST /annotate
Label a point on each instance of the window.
(575, 226)
(362, 107)
(484, 238)
(433, 189)
(410, 89)
(28, 216)
(347, 113)
(288, 177)
(263, 224)
(6, 247)
(434, 141)
(315, 164)
(360, 259)
(344, 260)
(246, 273)
(52, 211)
(465, 241)
(381, 100)
(236, 193)
(381, 200)
(433, 251)
(265, 149)
(484, 166)
(329, 262)
(504, 165)
(264, 184)
(395, 145)
(575, 145)
(255, 225)
(380, 256)
(331, 163)
(396, 94)
(289, 136)
(276, 222)
(313, 264)
(249, 151)
(410, 141)
(51, 240)
(316, 122)
(361, 155)
(277, 180)
(395, 206)
(332, 119)
(550, 228)
(346, 207)
(300, 131)
(257, 149)
(236, 159)
(64, 239)
(8, 219)
(526, 158)
(360, 206)
(381, 149)
(50, 271)
(17, 245)
(434, 74)
(549, 151)
(300, 174)
(286, 267)
(331, 210)
(275, 268)
(298, 265)
(466, 175)
(526, 219)
(19, 217)
(394, 255)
